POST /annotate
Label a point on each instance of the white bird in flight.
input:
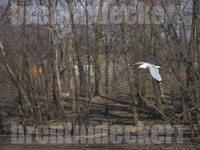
(154, 70)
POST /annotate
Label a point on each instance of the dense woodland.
(73, 71)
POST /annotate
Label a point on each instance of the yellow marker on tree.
(34, 69)
(40, 70)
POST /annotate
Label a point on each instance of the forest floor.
(117, 120)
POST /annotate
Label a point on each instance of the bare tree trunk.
(198, 121)
(98, 88)
(74, 91)
(58, 71)
(107, 74)
(113, 74)
(133, 98)
(189, 83)
(191, 77)
(1, 124)
(24, 76)
(185, 118)
(98, 42)
(76, 41)
(196, 4)
(157, 92)
(156, 86)
(190, 121)
(89, 92)
(55, 89)
(21, 108)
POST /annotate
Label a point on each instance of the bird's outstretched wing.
(138, 63)
(155, 73)
(141, 63)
